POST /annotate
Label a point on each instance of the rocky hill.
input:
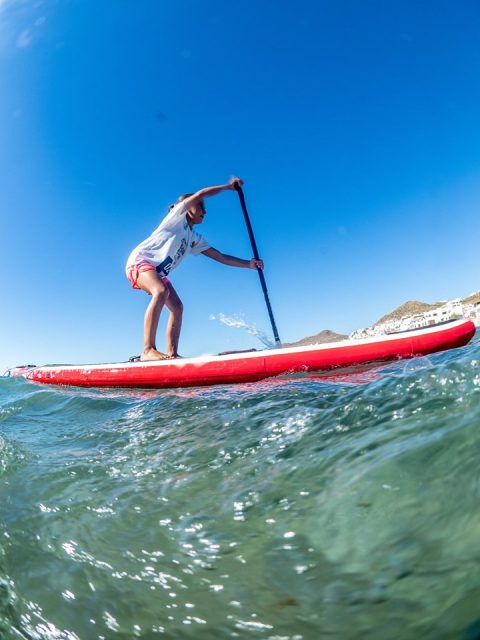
(472, 299)
(409, 308)
(412, 307)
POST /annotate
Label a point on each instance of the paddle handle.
(239, 190)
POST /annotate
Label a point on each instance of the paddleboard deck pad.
(254, 365)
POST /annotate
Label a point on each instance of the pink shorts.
(134, 270)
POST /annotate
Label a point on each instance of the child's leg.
(175, 306)
(151, 282)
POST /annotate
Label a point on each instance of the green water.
(339, 507)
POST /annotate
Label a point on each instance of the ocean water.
(337, 507)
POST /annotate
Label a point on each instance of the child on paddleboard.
(152, 260)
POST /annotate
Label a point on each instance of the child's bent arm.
(232, 261)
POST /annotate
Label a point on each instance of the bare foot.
(175, 356)
(153, 354)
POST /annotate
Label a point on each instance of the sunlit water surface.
(325, 507)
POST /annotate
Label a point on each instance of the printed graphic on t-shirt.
(164, 268)
(181, 250)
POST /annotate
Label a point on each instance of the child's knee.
(160, 294)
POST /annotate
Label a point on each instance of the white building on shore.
(450, 310)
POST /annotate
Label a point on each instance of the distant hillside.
(409, 308)
(412, 307)
(472, 299)
(318, 338)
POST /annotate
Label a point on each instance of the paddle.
(239, 190)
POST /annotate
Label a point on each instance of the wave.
(340, 505)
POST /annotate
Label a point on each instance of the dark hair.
(180, 199)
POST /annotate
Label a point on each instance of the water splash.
(239, 322)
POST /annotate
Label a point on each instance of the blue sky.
(355, 126)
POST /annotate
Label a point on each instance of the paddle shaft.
(239, 190)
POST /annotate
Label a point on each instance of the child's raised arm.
(208, 192)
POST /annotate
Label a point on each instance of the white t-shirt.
(170, 243)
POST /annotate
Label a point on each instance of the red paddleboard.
(254, 365)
